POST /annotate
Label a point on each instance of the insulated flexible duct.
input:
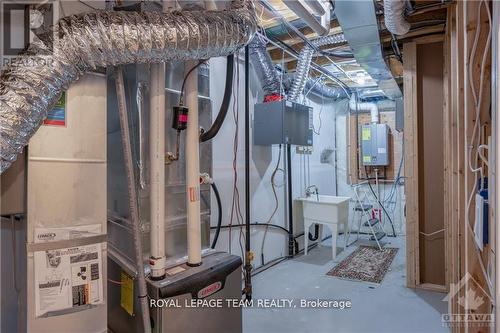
(270, 78)
(304, 63)
(31, 85)
(264, 67)
(394, 17)
(323, 91)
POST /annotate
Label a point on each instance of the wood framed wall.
(470, 264)
(425, 167)
(466, 267)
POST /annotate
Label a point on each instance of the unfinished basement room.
(249, 166)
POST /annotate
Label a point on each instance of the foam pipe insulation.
(394, 17)
(31, 85)
(304, 63)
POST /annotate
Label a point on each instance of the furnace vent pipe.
(157, 259)
(108, 38)
(394, 16)
(364, 106)
(304, 63)
(193, 167)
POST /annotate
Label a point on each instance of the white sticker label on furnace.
(382, 151)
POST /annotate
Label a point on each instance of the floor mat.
(367, 264)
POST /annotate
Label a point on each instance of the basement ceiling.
(428, 18)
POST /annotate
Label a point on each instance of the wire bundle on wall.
(476, 136)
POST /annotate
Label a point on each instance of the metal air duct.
(264, 67)
(360, 28)
(108, 38)
(394, 17)
(304, 63)
(323, 91)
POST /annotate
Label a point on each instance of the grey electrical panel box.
(375, 145)
(282, 122)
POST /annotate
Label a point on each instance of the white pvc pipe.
(157, 170)
(193, 168)
(300, 9)
(372, 107)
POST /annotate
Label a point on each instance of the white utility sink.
(326, 210)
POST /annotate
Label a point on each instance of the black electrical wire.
(181, 97)
(214, 129)
(383, 208)
(257, 224)
(219, 214)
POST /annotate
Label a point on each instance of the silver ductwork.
(360, 27)
(272, 82)
(321, 90)
(304, 63)
(394, 17)
(32, 84)
(264, 67)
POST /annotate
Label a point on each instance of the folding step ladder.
(364, 206)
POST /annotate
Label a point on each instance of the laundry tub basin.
(326, 210)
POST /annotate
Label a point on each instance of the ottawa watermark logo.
(471, 298)
(20, 23)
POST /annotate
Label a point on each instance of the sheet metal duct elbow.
(31, 85)
(304, 63)
(394, 17)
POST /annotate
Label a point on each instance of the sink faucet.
(313, 189)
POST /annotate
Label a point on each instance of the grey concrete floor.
(385, 307)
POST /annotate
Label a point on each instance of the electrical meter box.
(375, 145)
(283, 122)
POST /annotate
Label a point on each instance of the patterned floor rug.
(367, 264)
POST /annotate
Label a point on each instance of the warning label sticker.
(67, 278)
(194, 194)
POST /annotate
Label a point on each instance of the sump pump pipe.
(193, 167)
(364, 106)
(108, 38)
